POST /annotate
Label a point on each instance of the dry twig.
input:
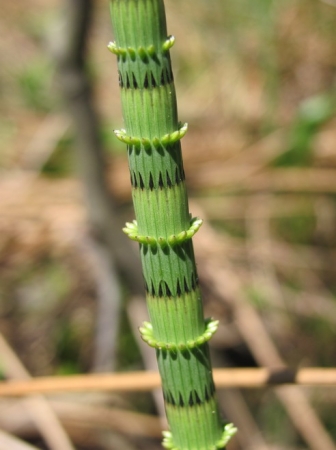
(146, 381)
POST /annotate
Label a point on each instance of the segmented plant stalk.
(164, 227)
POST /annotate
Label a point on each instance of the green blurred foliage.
(60, 163)
(258, 298)
(110, 143)
(295, 229)
(277, 426)
(35, 84)
(128, 353)
(312, 114)
(67, 345)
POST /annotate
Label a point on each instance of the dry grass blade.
(237, 410)
(7, 441)
(229, 288)
(86, 424)
(329, 2)
(39, 409)
(263, 349)
(100, 418)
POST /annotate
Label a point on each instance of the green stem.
(164, 227)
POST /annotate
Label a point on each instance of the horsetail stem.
(164, 227)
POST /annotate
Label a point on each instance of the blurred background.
(256, 82)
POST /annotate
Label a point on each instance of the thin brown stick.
(146, 381)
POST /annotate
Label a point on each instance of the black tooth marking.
(170, 398)
(152, 292)
(128, 84)
(149, 81)
(164, 290)
(206, 396)
(121, 84)
(167, 74)
(212, 388)
(177, 176)
(168, 292)
(193, 281)
(197, 398)
(186, 288)
(162, 79)
(161, 185)
(153, 80)
(194, 398)
(135, 180)
(142, 185)
(151, 182)
(169, 183)
(171, 76)
(178, 289)
(180, 400)
(135, 83)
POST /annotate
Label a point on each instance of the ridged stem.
(164, 227)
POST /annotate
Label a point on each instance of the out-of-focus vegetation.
(256, 82)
